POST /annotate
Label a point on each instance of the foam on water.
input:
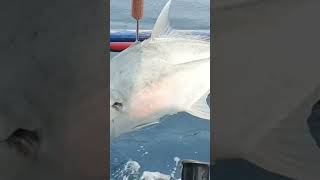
(132, 171)
(154, 176)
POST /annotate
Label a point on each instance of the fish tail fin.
(200, 108)
(288, 147)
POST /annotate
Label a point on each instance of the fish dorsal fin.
(200, 108)
(162, 25)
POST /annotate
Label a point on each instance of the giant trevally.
(52, 90)
(165, 74)
(266, 81)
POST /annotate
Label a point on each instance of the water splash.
(173, 173)
(132, 171)
(154, 176)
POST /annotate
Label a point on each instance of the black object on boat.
(195, 170)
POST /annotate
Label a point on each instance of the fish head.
(131, 112)
(118, 114)
(130, 101)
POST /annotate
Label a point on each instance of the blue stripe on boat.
(130, 35)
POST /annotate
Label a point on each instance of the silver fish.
(165, 74)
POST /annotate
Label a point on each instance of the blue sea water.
(159, 148)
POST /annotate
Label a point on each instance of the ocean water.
(155, 152)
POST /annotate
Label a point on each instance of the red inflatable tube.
(119, 46)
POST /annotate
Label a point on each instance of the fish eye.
(117, 106)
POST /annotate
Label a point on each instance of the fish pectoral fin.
(162, 25)
(287, 147)
(200, 108)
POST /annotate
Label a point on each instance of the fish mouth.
(24, 142)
